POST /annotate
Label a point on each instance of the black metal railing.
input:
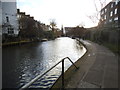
(39, 76)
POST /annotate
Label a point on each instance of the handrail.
(39, 76)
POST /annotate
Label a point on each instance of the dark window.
(10, 31)
(7, 19)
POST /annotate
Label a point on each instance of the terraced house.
(110, 14)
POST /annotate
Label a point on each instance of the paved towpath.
(98, 69)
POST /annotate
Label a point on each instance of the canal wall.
(7, 44)
(20, 42)
(15, 43)
(70, 71)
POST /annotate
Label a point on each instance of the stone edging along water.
(70, 71)
(15, 43)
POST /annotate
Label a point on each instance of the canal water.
(23, 63)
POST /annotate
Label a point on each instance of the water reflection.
(21, 64)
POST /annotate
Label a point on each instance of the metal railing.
(39, 76)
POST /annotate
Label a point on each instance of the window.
(116, 11)
(18, 16)
(111, 13)
(102, 12)
(116, 18)
(105, 17)
(105, 9)
(10, 31)
(112, 5)
(110, 20)
(116, 2)
(7, 19)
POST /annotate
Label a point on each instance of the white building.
(9, 18)
(0, 19)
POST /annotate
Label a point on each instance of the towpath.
(98, 69)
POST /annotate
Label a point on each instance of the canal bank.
(7, 44)
(98, 68)
(15, 43)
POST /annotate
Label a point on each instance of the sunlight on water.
(26, 62)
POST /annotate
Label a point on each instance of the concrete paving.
(98, 69)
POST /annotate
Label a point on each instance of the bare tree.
(95, 17)
(53, 24)
(53, 27)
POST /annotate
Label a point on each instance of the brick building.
(110, 14)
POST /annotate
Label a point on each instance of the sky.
(68, 13)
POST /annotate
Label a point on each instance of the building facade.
(110, 14)
(22, 23)
(0, 18)
(9, 19)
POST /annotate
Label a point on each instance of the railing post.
(72, 62)
(62, 74)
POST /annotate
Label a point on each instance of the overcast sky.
(68, 13)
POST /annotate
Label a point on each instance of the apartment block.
(110, 14)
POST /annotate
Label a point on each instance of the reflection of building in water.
(110, 14)
(9, 18)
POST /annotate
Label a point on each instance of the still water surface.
(23, 63)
